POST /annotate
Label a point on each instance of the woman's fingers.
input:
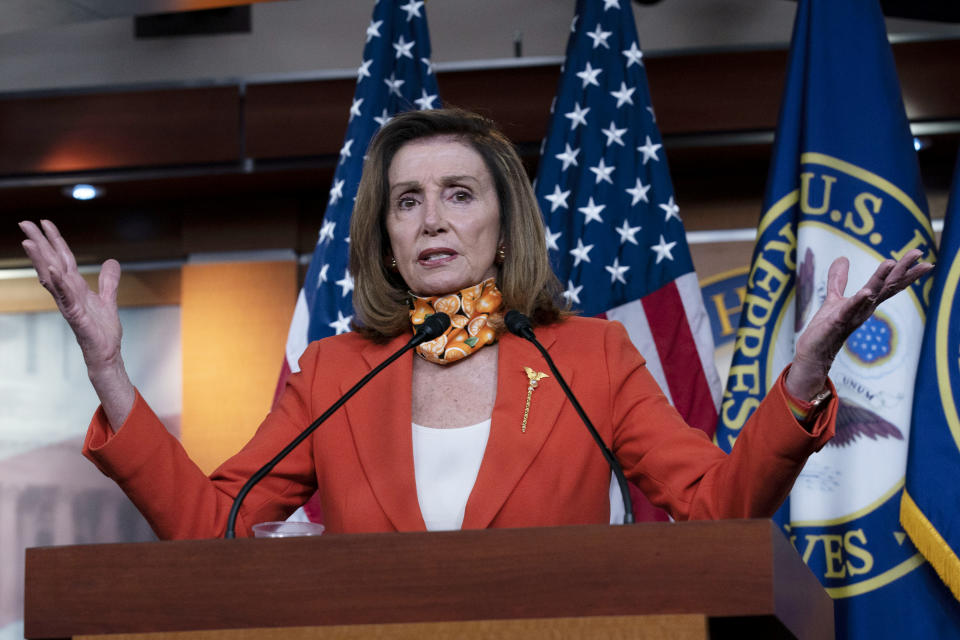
(40, 250)
(59, 245)
(837, 277)
(878, 281)
(60, 291)
(109, 281)
(906, 272)
(33, 252)
(55, 266)
(890, 278)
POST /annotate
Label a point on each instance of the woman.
(466, 433)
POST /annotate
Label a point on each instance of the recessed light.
(83, 192)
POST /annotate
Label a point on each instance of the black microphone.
(519, 325)
(433, 326)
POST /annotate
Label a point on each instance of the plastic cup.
(285, 529)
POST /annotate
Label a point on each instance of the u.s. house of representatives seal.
(844, 507)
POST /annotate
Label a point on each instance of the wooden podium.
(738, 578)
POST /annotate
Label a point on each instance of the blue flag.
(395, 75)
(614, 231)
(844, 181)
(930, 508)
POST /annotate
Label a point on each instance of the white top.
(445, 464)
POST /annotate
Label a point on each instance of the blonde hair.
(525, 278)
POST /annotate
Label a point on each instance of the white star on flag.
(599, 37)
(355, 108)
(616, 271)
(592, 212)
(429, 64)
(346, 283)
(345, 151)
(551, 239)
(649, 150)
(341, 324)
(323, 274)
(634, 55)
(672, 210)
(425, 101)
(557, 198)
(394, 84)
(589, 75)
(336, 191)
(403, 48)
(363, 71)
(639, 192)
(602, 171)
(581, 252)
(412, 8)
(326, 231)
(568, 157)
(613, 134)
(572, 294)
(373, 31)
(628, 233)
(608, 4)
(624, 95)
(578, 116)
(383, 118)
(663, 250)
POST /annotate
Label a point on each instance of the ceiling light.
(83, 192)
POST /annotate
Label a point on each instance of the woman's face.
(444, 217)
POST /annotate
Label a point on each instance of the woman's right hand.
(93, 317)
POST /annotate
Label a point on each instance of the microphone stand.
(432, 327)
(519, 325)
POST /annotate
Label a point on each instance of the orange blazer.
(361, 459)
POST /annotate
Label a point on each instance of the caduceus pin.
(534, 378)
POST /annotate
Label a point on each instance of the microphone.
(433, 326)
(519, 325)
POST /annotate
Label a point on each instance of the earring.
(501, 255)
(390, 263)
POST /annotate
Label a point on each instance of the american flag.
(614, 231)
(395, 75)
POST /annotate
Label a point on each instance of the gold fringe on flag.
(930, 543)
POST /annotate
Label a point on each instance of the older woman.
(456, 436)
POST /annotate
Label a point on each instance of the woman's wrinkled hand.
(838, 317)
(93, 316)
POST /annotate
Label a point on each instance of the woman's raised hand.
(93, 316)
(838, 317)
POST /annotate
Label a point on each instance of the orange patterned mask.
(471, 312)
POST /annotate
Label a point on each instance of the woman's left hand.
(838, 317)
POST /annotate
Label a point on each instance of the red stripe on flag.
(679, 357)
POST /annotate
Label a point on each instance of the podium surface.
(741, 576)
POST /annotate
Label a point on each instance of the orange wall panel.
(235, 318)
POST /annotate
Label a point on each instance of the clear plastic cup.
(284, 529)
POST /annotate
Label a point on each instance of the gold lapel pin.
(534, 378)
